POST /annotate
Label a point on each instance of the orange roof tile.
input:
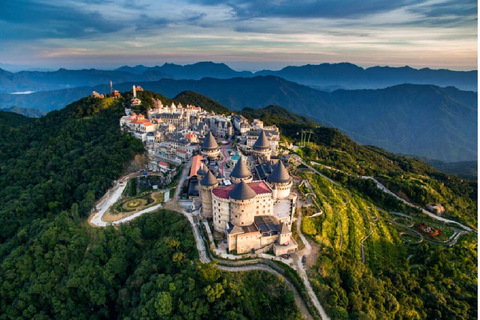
(196, 163)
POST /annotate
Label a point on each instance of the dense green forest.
(196, 99)
(68, 158)
(54, 265)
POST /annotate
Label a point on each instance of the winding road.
(384, 189)
(224, 159)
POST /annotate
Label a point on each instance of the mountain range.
(324, 76)
(422, 120)
(30, 113)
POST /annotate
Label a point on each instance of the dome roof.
(209, 180)
(210, 143)
(279, 174)
(240, 171)
(262, 142)
(242, 192)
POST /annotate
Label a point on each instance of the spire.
(209, 180)
(242, 192)
(262, 142)
(240, 171)
(202, 171)
(210, 143)
(284, 229)
(279, 174)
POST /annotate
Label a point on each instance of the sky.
(245, 34)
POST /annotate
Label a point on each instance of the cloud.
(232, 30)
(26, 19)
(307, 9)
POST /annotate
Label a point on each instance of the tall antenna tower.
(305, 137)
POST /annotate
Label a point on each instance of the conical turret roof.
(262, 142)
(284, 229)
(240, 171)
(209, 180)
(279, 174)
(242, 192)
(202, 171)
(210, 143)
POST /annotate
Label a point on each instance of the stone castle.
(254, 215)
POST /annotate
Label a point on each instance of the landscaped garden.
(134, 201)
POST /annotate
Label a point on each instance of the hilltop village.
(237, 180)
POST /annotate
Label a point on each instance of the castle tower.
(208, 183)
(134, 91)
(210, 147)
(285, 235)
(202, 171)
(242, 204)
(262, 148)
(280, 181)
(240, 173)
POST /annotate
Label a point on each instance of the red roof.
(259, 187)
(161, 163)
(196, 163)
(181, 151)
(145, 121)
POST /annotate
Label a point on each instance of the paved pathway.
(300, 268)
(301, 271)
(430, 214)
(224, 159)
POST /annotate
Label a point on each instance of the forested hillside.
(197, 99)
(54, 265)
(68, 158)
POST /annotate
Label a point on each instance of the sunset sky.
(247, 35)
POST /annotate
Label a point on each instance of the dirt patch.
(313, 256)
(139, 162)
